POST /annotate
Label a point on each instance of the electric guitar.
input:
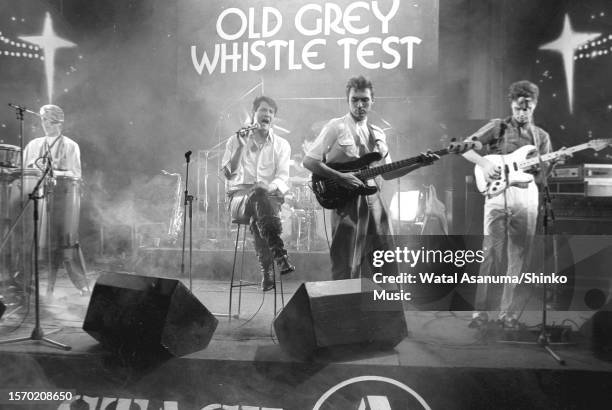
(331, 195)
(513, 166)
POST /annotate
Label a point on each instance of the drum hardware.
(9, 156)
(19, 111)
(304, 217)
(37, 333)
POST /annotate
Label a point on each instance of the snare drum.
(9, 156)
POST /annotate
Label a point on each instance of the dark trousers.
(260, 209)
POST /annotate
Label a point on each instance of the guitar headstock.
(599, 144)
(464, 146)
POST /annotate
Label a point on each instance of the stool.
(242, 283)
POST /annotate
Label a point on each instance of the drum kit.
(302, 218)
(61, 207)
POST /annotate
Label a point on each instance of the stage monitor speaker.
(335, 313)
(131, 313)
(601, 333)
(586, 262)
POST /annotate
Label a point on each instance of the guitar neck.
(373, 172)
(553, 155)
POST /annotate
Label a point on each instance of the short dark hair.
(262, 98)
(359, 83)
(523, 88)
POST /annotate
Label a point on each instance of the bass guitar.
(514, 165)
(331, 195)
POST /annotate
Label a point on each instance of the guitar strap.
(371, 139)
(500, 132)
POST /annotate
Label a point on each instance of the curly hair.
(262, 98)
(359, 83)
(523, 88)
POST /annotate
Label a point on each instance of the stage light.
(408, 206)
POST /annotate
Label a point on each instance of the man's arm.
(545, 147)
(232, 155)
(344, 179)
(485, 136)
(75, 161)
(313, 161)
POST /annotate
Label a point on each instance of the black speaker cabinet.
(2, 308)
(334, 313)
(131, 313)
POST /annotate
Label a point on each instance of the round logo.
(371, 393)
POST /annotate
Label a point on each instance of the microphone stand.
(37, 333)
(188, 203)
(548, 215)
(19, 111)
(543, 339)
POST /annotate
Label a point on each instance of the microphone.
(19, 107)
(22, 108)
(248, 128)
(187, 155)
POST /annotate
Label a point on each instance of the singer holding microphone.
(65, 158)
(256, 163)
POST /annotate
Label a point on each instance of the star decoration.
(566, 44)
(48, 42)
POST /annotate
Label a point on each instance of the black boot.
(283, 265)
(267, 281)
(270, 228)
(266, 262)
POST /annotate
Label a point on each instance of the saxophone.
(174, 227)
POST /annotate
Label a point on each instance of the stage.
(441, 364)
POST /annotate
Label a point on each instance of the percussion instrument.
(300, 196)
(10, 156)
(6, 178)
(64, 206)
(304, 229)
(21, 239)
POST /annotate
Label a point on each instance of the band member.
(361, 225)
(66, 162)
(510, 217)
(257, 165)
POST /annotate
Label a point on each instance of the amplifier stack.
(589, 180)
(582, 199)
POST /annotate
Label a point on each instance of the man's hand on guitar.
(490, 170)
(564, 154)
(428, 158)
(350, 181)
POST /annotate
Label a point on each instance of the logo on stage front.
(371, 393)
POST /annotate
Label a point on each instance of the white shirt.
(65, 154)
(268, 162)
(342, 139)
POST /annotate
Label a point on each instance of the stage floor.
(443, 363)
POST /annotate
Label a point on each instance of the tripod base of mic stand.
(38, 335)
(542, 340)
